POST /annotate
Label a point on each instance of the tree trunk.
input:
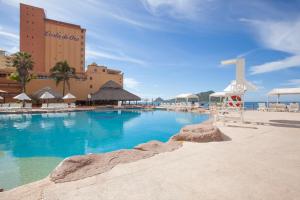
(64, 87)
(23, 88)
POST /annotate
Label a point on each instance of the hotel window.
(103, 70)
(91, 78)
(91, 86)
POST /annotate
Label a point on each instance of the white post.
(268, 103)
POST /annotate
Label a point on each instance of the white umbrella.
(69, 96)
(47, 95)
(2, 91)
(22, 97)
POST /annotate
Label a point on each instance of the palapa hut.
(40, 92)
(111, 92)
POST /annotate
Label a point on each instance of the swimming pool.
(31, 145)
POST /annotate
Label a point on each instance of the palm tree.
(23, 64)
(62, 72)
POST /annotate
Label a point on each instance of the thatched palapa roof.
(40, 92)
(112, 91)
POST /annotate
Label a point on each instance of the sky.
(169, 47)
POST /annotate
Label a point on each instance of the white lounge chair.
(15, 106)
(5, 106)
(72, 105)
(28, 105)
(278, 107)
(262, 107)
(293, 107)
(281, 107)
(272, 107)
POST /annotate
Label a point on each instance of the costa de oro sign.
(61, 36)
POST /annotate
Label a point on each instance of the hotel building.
(50, 41)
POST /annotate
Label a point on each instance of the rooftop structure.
(111, 91)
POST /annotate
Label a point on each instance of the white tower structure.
(240, 84)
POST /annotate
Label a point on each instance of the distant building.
(5, 59)
(12, 87)
(50, 41)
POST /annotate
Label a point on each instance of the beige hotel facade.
(50, 41)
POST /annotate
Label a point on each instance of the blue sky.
(168, 47)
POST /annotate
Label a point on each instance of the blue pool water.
(31, 145)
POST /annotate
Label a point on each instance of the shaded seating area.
(183, 102)
(111, 93)
(21, 104)
(282, 107)
(57, 102)
(48, 94)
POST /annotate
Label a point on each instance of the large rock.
(204, 132)
(79, 167)
(159, 147)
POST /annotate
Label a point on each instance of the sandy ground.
(262, 161)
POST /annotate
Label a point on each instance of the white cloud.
(8, 34)
(281, 36)
(278, 35)
(9, 41)
(293, 61)
(131, 83)
(63, 10)
(293, 82)
(188, 9)
(111, 56)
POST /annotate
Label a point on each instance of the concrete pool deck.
(261, 161)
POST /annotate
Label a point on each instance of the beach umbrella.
(47, 95)
(22, 97)
(69, 96)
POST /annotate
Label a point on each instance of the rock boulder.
(79, 167)
(204, 132)
(159, 147)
